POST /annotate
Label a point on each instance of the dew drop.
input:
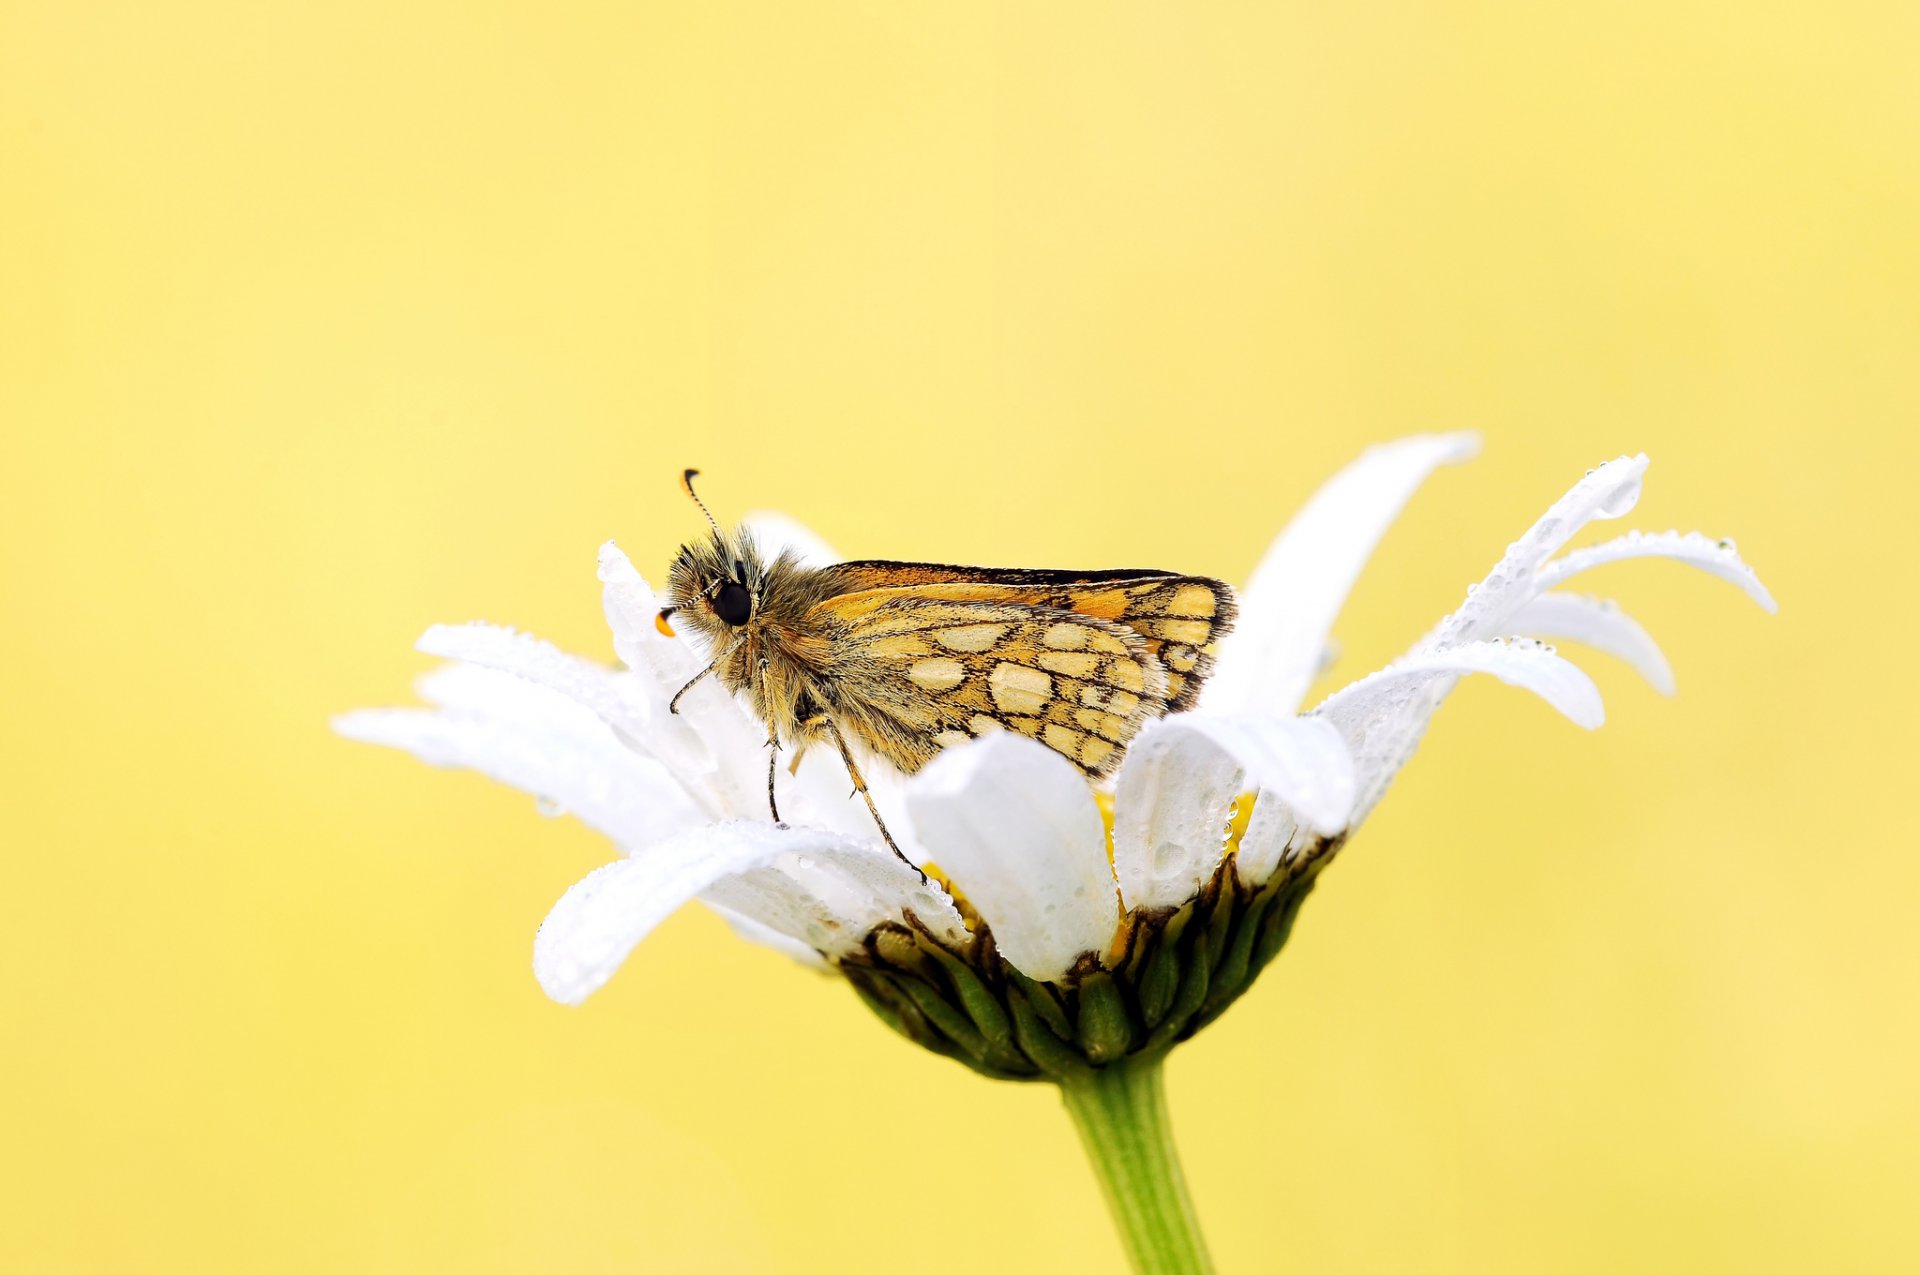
(549, 807)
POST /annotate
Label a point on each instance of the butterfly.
(905, 659)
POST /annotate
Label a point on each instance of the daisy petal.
(776, 534)
(833, 894)
(1269, 832)
(1182, 773)
(711, 742)
(1015, 826)
(1382, 716)
(590, 685)
(632, 608)
(1600, 624)
(1608, 491)
(1715, 557)
(1269, 659)
(611, 789)
(600, 920)
(752, 931)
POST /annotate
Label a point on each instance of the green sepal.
(1162, 977)
(1041, 997)
(1230, 974)
(1105, 1030)
(1055, 1056)
(954, 1024)
(1277, 926)
(975, 998)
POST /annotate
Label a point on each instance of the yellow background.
(319, 323)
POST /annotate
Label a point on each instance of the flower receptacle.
(1177, 971)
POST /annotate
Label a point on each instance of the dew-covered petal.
(1382, 716)
(1715, 557)
(1171, 801)
(599, 921)
(1270, 830)
(775, 534)
(632, 610)
(712, 741)
(612, 789)
(1015, 826)
(1600, 624)
(1608, 491)
(752, 931)
(1289, 604)
(593, 686)
(1181, 775)
(832, 895)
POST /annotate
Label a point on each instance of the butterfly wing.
(1178, 616)
(913, 674)
(1078, 661)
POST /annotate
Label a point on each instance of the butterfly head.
(715, 584)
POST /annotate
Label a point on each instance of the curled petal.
(711, 743)
(1608, 491)
(600, 920)
(1182, 774)
(1289, 604)
(831, 895)
(1715, 557)
(632, 607)
(1269, 832)
(1015, 826)
(1600, 624)
(752, 931)
(1382, 716)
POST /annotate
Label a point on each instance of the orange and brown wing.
(1179, 617)
(916, 669)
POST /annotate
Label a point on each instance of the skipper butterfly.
(904, 659)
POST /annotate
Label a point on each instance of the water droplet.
(549, 807)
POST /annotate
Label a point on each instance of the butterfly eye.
(733, 603)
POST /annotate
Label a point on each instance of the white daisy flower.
(1042, 942)
(1065, 934)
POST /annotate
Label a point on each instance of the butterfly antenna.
(686, 481)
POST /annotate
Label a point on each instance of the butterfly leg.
(773, 768)
(860, 786)
(673, 705)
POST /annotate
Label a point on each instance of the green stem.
(1121, 1113)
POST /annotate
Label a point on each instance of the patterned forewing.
(922, 669)
(1179, 617)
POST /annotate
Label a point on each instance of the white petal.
(1271, 830)
(1182, 773)
(712, 743)
(1600, 624)
(607, 786)
(470, 690)
(1170, 806)
(1015, 825)
(1716, 557)
(752, 931)
(1289, 604)
(776, 534)
(632, 607)
(1383, 716)
(832, 895)
(1608, 491)
(599, 921)
(592, 686)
